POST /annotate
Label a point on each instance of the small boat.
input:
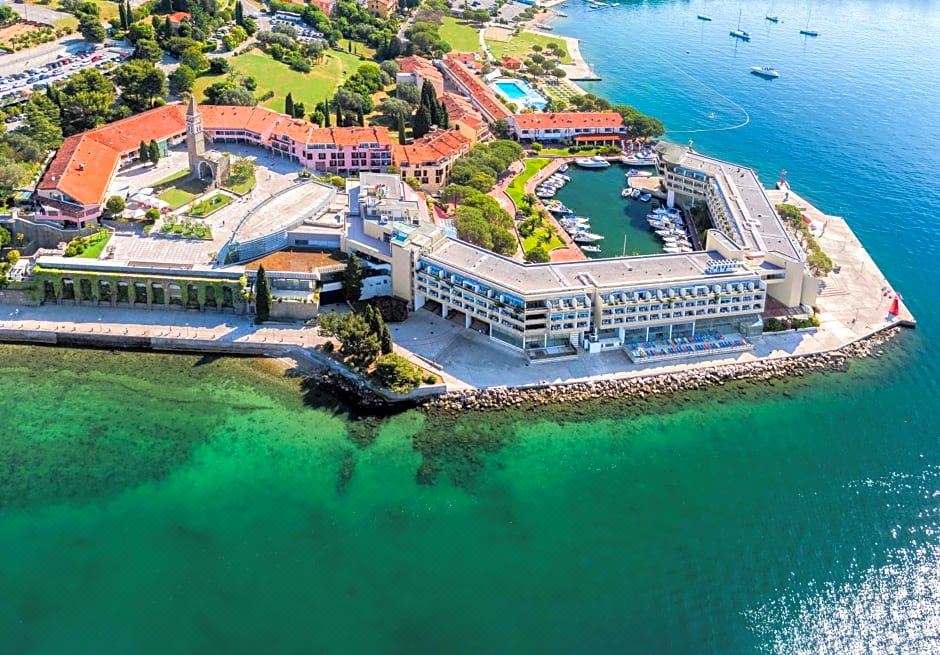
(556, 207)
(738, 33)
(636, 194)
(765, 71)
(592, 162)
(771, 16)
(626, 193)
(806, 31)
(544, 193)
(712, 116)
(563, 168)
(703, 16)
(591, 248)
(561, 14)
(586, 237)
(672, 250)
(645, 197)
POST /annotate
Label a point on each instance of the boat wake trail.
(728, 128)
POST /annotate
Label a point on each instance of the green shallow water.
(160, 504)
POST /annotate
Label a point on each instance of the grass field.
(460, 35)
(521, 46)
(210, 205)
(308, 88)
(516, 189)
(241, 187)
(96, 244)
(540, 235)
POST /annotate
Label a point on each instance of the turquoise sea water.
(157, 504)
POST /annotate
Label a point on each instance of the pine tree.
(402, 139)
(262, 296)
(143, 152)
(360, 118)
(299, 110)
(154, 152)
(289, 104)
(420, 123)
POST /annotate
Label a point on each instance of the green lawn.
(271, 75)
(241, 187)
(539, 235)
(210, 205)
(460, 35)
(521, 46)
(516, 190)
(95, 244)
(170, 179)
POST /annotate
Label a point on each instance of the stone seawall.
(497, 398)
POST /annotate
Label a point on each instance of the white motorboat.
(587, 237)
(626, 193)
(672, 250)
(563, 168)
(765, 71)
(589, 248)
(544, 193)
(639, 159)
(634, 172)
(636, 193)
(592, 162)
(645, 197)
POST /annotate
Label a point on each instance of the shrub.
(396, 373)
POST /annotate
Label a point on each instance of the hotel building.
(747, 226)
(582, 127)
(430, 158)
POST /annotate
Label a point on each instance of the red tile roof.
(572, 119)
(581, 138)
(178, 16)
(84, 165)
(477, 89)
(431, 149)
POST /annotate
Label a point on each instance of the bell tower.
(195, 139)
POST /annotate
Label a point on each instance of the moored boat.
(586, 237)
(590, 248)
(638, 159)
(645, 197)
(592, 162)
(765, 71)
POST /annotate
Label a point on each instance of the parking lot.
(20, 84)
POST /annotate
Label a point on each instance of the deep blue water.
(854, 117)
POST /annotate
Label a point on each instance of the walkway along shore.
(496, 398)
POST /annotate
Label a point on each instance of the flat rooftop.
(758, 226)
(283, 210)
(298, 262)
(574, 276)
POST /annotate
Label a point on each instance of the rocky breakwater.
(640, 388)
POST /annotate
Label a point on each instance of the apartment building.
(429, 159)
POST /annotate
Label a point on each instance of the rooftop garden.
(89, 247)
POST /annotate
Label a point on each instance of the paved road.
(39, 13)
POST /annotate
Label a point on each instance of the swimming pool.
(519, 93)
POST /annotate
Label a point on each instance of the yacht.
(765, 71)
(644, 158)
(738, 33)
(592, 162)
(591, 248)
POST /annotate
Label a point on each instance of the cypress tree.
(122, 12)
(239, 14)
(326, 113)
(154, 152)
(339, 115)
(385, 339)
(352, 279)
(429, 102)
(129, 12)
(445, 118)
(402, 139)
(262, 296)
(421, 123)
(360, 118)
(143, 152)
(289, 104)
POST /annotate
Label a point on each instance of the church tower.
(195, 139)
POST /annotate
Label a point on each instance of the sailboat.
(703, 15)
(771, 16)
(739, 33)
(806, 30)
